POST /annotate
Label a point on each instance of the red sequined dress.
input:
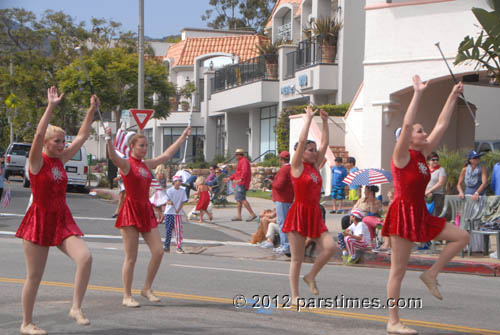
(304, 216)
(48, 221)
(137, 210)
(408, 216)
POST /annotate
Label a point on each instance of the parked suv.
(485, 145)
(77, 169)
(15, 159)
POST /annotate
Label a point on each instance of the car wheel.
(26, 182)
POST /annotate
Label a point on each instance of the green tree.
(485, 49)
(238, 14)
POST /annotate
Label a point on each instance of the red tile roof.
(294, 3)
(184, 52)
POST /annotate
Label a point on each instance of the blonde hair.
(200, 181)
(52, 131)
(160, 169)
(135, 138)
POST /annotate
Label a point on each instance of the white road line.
(232, 270)
(74, 217)
(191, 241)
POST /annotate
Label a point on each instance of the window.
(77, 156)
(149, 136)
(195, 142)
(20, 149)
(220, 135)
(268, 118)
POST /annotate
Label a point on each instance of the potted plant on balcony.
(326, 30)
(270, 53)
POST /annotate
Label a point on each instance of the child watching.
(203, 198)
(173, 213)
(356, 236)
(338, 174)
(354, 190)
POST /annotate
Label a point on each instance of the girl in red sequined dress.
(304, 219)
(48, 221)
(136, 215)
(408, 220)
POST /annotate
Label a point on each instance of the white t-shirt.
(183, 174)
(177, 197)
(441, 172)
(360, 229)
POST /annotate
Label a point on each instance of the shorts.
(354, 194)
(241, 193)
(121, 186)
(338, 192)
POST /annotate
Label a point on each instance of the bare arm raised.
(171, 150)
(401, 155)
(324, 139)
(443, 120)
(297, 164)
(35, 156)
(84, 132)
(121, 163)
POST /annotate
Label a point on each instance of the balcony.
(310, 52)
(243, 73)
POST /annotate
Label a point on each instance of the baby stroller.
(219, 196)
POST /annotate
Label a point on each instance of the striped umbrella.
(368, 177)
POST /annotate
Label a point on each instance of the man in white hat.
(242, 178)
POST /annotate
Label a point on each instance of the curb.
(422, 263)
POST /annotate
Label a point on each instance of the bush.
(219, 159)
(283, 124)
(270, 160)
(198, 165)
(103, 182)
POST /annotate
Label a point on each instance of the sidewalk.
(242, 230)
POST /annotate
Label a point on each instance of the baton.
(456, 82)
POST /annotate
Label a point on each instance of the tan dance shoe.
(400, 328)
(312, 285)
(31, 329)
(79, 317)
(432, 285)
(130, 302)
(150, 295)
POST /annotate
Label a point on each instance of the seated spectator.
(273, 231)
(356, 236)
(211, 176)
(265, 217)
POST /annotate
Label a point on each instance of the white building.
(400, 42)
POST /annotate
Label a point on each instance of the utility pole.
(140, 97)
(9, 115)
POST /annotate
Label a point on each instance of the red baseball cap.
(285, 155)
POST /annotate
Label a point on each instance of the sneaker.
(115, 215)
(351, 260)
(166, 249)
(179, 251)
(266, 245)
(281, 251)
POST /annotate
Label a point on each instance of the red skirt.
(412, 222)
(305, 220)
(47, 228)
(203, 201)
(138, 214)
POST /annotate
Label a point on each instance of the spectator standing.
(495, 179)
(282, 195)
(173, 214)
(354, 190)
(242, 178)
(474, 175)
(435, 188)
(339, 172)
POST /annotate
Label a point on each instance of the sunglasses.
(435, 160)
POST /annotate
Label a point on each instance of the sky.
(161, 17)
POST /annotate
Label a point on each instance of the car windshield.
(20, 149)
(496, 145)
(78, 156)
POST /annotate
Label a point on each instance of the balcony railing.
(251, 70)
(309, 52)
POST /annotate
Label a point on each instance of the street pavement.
(197, 290)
